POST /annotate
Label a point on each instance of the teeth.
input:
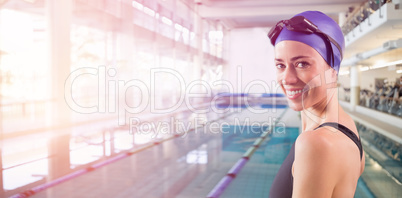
(291, 93)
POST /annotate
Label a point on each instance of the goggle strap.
(336, 44)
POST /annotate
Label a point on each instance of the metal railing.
(362, 13)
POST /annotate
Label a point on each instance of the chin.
(295, 106)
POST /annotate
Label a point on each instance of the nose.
(289, 76)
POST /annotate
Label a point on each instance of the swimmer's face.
(303, 74)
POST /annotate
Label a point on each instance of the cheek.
(316, 88)
(317, 91)
(278, 75)
(279, 79)
(311, 80)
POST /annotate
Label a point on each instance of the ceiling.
(266, 13)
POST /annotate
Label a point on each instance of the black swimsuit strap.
(347, 132)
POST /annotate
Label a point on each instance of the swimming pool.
(193, 164)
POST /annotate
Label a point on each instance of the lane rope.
(37, 189)
(236, 168)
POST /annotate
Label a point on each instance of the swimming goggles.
(303, 25)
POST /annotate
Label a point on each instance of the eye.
(302, 64)
(280, 66)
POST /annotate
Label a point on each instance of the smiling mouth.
(294, 92)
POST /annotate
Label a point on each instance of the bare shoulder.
(315, 168)
(317, 143)
(323, 163)
(327, 147)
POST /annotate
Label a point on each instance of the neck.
(326, 110)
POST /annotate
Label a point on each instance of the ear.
(331, 76)
(334, 73)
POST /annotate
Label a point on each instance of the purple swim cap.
(324, 24)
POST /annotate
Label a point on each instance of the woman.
(326, 159)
